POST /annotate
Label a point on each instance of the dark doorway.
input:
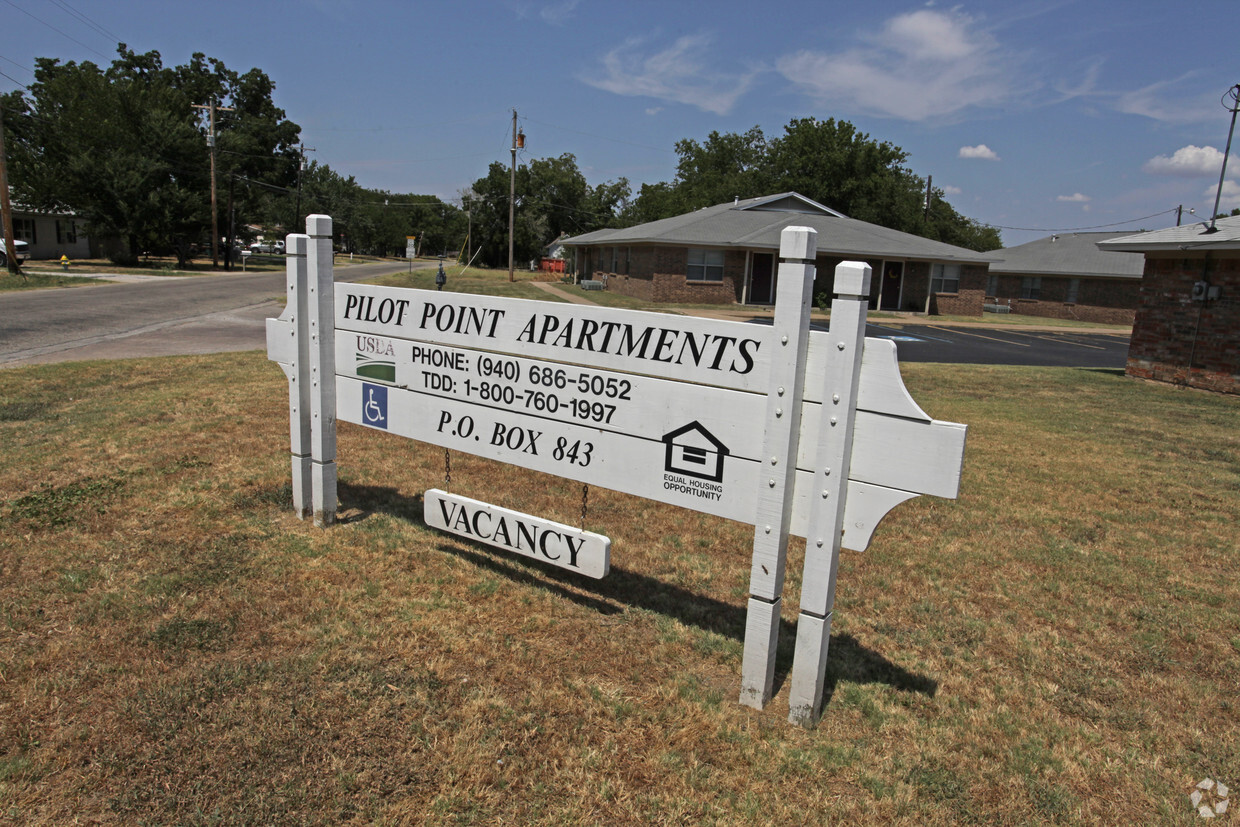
(893, 280)
(761, 283)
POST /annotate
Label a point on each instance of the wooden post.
(299, 403)
(846, 342)
(322, 316)
(789, 342)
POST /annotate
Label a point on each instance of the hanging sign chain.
(447, 470)
(585, 499)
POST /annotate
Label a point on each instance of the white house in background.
(51, 234)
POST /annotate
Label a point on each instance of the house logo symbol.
(693, 451)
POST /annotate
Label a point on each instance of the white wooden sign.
(793, 432)
(555, 544)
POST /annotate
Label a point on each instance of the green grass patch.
(470, 281)
(1059, 645)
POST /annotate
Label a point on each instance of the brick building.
(728, 254)
(1067, 276)
(1187, 328)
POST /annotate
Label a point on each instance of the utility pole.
(1234, 94)
(215, 218)
(301, 165)
(512, 193)
(6, 212)
(926, 212)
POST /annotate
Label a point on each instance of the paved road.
(149, 316)
(160, 316)
(1050, 347)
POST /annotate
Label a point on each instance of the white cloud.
(981, 151)
(558, 14)
(922, 65)
(950, 190)
(678, 73)
(1187, 161)
(1230, 199)
(1074, 198)
(654, 110)
(1173, 101)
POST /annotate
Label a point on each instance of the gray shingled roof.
(756, 224)
(1069, 254)
(1189, 237)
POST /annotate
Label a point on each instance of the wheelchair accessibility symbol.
(374, 405)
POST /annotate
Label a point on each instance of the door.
(893, 282)
(761, 282)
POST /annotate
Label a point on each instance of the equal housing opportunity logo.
(693, 462)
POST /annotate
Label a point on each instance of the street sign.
(792, 431)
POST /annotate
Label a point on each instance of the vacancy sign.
(547, 542)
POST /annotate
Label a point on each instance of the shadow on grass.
(848, 659)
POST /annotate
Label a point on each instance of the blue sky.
(1032, 116)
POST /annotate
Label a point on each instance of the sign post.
(797, 249)
(826, 523)
(793, 431)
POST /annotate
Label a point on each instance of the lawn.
(1059, 645)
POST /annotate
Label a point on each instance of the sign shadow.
(850, 660)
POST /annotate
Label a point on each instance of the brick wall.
(969, 298)
(1171, 329)
(1102, 301)
(659, 274)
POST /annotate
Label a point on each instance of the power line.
(58, 31)
(1075, 229)
(87, 20)
(18, 65)
(15, 80)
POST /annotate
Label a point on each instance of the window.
(1030, 287)
(628, 259)
(945, 278)
(66, 231)
(615, 265)
(992, 286)
(705, 265)
(23, 230)
(1074, 289)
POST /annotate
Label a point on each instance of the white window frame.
(944, 278)
(705, 265)
(25, 229)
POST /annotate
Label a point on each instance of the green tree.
(726, 167)
(125, 148)
(552, 198)
(829, 161)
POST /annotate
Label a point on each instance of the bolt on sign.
(793, 431)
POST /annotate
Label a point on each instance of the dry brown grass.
(1061, 645)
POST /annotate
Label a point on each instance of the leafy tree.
(829, 161)
(552, 198)
(726, 167)
(126, 149)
